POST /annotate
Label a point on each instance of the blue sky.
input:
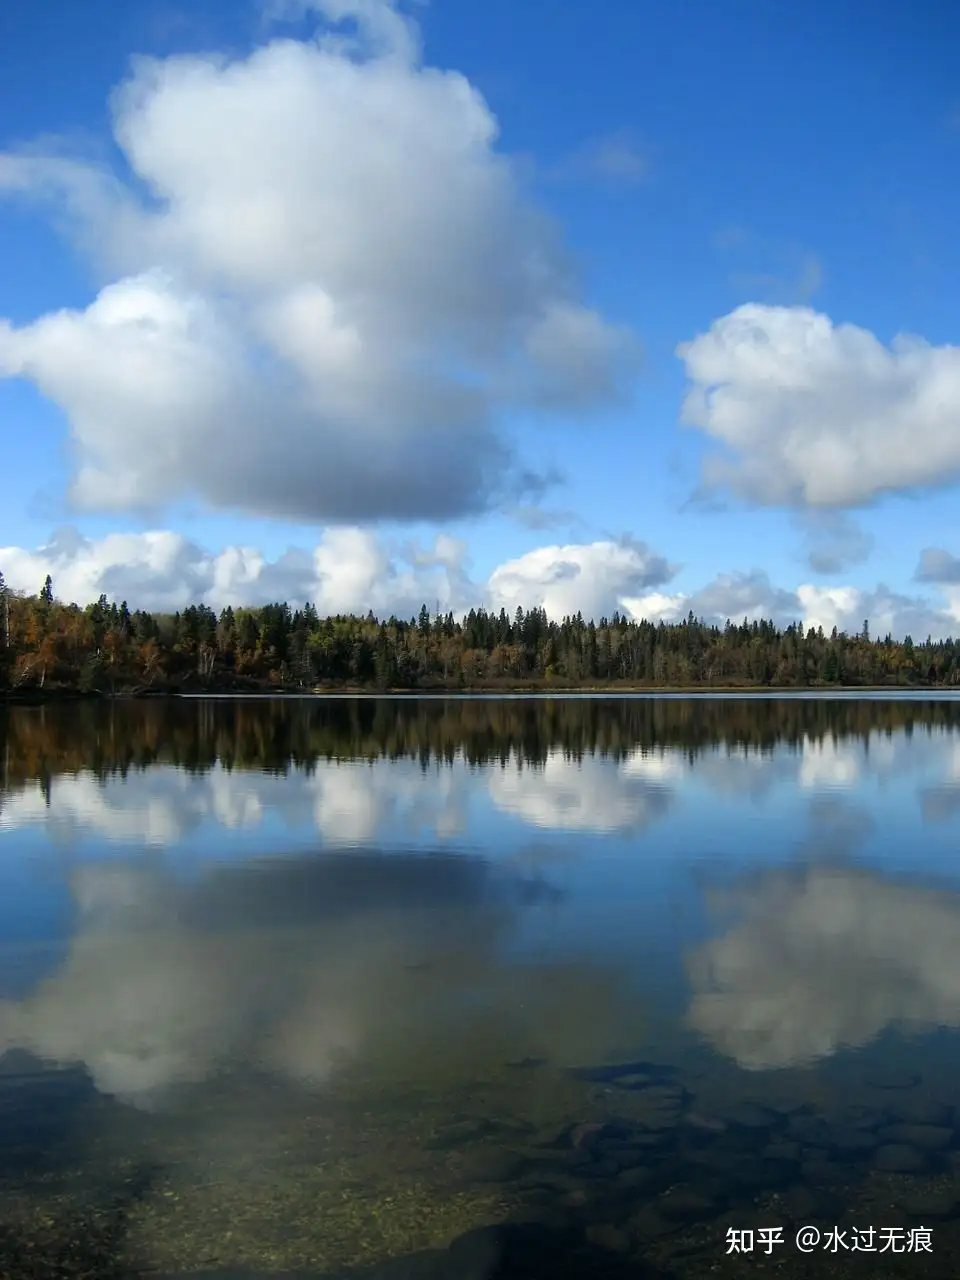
(457, 277)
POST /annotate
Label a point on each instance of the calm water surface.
(440, 988)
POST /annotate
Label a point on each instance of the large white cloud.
(815, 414)
(594, 578)
(753, 596)
(823, 960)
(730, 595)
(331, 286)
(352, 570)
(349, 570)
(886, 611)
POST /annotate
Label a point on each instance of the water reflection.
(335, 986)
(280, 735)
(825, 958)
(294, 968)
(349, 802)
(591, 794)
(380, 771)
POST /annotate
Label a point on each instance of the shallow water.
(430, 988)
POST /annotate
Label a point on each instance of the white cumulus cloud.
(753, 596)
(886, 611)
(349, 570)
(353, 570)
(328, 291)
(816, 414)
(594, 578)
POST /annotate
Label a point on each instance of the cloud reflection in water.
(359, 801)
(822, 959)
(298, 966)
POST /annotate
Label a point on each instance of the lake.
(457, 989)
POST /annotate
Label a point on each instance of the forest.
(48, 647)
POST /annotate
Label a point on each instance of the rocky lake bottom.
(664, 1171)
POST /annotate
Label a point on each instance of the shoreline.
(21, 697)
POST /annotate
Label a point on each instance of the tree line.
(107, 648)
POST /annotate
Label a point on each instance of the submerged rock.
(636, 1179)
(852, 1142)
(688, 1204)
(610, 1237)
(929, 1137)
(893, 1080)
(781, 1151)
(658, 1107)
(460, 1133)
(650, 1224)
(913, 1110)
(749, 1115)
(704, 1122)
(897, 1157)
(822, 1172)
(932, 1204)
(604, 1167)
(635, 1080)
(845, 1140)
(605, 1073)
(755, 1174)
(587, 1136)
(528, 1251)
(800, 1203)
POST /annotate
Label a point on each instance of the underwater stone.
(929, 1137)
(897, 1157)
(932, 1204)
(686, 1204)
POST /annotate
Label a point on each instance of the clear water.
(480, 988)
